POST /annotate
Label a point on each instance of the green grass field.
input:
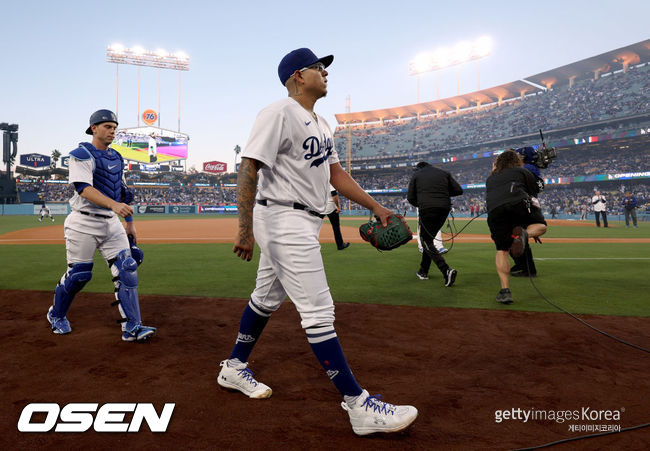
(602, 278)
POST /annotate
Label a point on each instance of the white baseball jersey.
(153, 147)
(599, 203)
(296, 149)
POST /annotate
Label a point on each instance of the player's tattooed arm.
(246, 189)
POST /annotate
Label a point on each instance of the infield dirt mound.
(458, 367)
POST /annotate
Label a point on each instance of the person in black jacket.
(430, 189)
(512, 215)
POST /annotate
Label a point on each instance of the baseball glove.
(396, 233)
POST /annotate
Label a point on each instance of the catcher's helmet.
(99, 117)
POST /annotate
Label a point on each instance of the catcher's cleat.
(139, 333)
(519, 240)
(369, 415)
(343, 246)
(240, 378)
(504, 296)
(450, 277)
(422, 276)
(60, 326)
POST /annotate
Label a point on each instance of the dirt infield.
(223, 230)
(458, 367)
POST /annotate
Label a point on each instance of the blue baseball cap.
(299, 59)
(99, 117)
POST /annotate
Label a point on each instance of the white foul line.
(594, 258)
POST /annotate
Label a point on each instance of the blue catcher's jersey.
(107, 174)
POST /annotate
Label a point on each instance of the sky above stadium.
(55, 74)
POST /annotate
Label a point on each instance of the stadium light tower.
(138, 56)
(444, 57)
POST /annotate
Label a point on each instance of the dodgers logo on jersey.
(318, 150)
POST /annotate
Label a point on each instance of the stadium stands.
(600, 123)
(596, 102)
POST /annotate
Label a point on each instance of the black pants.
(604, 213)
(432, 220)
(336, 228)
(525, 263)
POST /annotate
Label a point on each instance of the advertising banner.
(182, 209)
(35, 160)
(55, 209)
(215, 167)
(218, 209)
(150, 209)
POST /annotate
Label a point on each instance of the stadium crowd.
(587, 101)
(576, 161)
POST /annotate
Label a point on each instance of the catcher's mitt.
(396, 233)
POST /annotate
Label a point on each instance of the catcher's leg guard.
(74, 279)
(125, 278)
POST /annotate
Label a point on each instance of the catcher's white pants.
(85, 234)
(291, 264)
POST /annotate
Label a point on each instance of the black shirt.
(509, 186)
(431, 187)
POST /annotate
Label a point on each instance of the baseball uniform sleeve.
(266, 136)
(81, 171)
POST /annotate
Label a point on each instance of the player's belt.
(97, 215)
(294, 205)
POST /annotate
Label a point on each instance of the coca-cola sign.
(214, 166)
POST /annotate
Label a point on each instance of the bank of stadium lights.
(456, 55)
(138, 56)
(444, 57)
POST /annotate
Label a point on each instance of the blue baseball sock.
(251, 326)
(326, 347)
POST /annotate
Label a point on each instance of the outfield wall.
(231, 210)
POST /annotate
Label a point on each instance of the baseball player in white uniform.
(101, 195)
(291, 150)
(45, 211)
(153, 148)
(600, 208)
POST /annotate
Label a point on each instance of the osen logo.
(81, 416)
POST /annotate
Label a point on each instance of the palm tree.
(237, 152)
(55, 157)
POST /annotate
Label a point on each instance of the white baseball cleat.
(240, 378)
(370, 415)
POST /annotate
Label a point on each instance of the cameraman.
(525, 264)
(430, 189)
(512, 215)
